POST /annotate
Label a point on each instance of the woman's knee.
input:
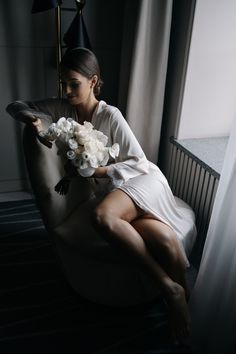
(168, 239)
(172, 249)
(102, 218)
(169, 243)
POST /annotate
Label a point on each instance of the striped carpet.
(40, 313)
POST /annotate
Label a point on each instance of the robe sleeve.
(131, 161)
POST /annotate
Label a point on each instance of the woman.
(140, 214)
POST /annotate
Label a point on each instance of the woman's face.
(77, 88)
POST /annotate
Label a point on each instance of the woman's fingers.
(38, 127)
(37, 124)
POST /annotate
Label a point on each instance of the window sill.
(211, 151)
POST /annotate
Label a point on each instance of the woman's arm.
(131, 161)
(22, 111)
(100, 172)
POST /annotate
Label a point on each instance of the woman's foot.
(179, 313)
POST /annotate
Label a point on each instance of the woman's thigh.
(155, 233)
(119, 204)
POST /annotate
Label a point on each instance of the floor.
(41, 314)
(18, 195)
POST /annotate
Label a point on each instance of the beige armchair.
(94, 268)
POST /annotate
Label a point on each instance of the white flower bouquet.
(87, 148)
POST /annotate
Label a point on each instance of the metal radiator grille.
(194, 182)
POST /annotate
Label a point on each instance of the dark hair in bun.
(84, 62)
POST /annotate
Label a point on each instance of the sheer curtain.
(213, 301)
(148, 74)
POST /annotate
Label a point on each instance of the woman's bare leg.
(162, 242)
(112, 219)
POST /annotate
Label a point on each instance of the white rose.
(87, 172)
(85, 156)
(114, 150)
(82, 164)
(82, 137)
(52, 133)
(101, 156)
(100, 137)
(91, 147)
(105, 159)
(60, 122)
(88, 126)
(73, 144)
(77, 127)
(64, 124)
(91, 159)
(71, 155)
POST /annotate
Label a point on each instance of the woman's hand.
(21, 111)
(100, 172)
(27, 117)
(38, 128)
(37, 125)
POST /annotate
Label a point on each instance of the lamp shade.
(77, 35)
(43, 5)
